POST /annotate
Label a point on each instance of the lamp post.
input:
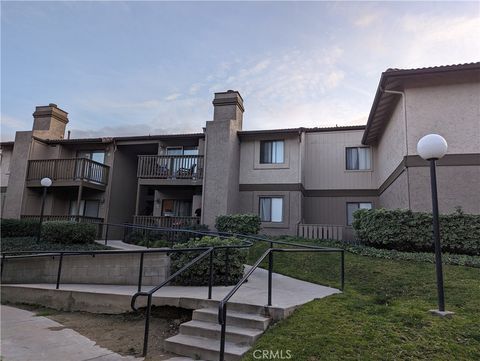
(45, 182)
(433, 147)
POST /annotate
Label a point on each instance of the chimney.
(49, 122)
(228, 106)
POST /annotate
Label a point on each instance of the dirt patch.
(122, 333)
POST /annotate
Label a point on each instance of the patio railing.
(321, 231)
(170, 166)
(166, 222)
(75, 169)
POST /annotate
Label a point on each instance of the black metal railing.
(246, 242)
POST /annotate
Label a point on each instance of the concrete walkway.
(287, 292)
(26, 337)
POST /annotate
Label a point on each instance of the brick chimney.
(49, 122)
(228, 106)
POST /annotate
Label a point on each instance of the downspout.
(404, 102)
(205, 143)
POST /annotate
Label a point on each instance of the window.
(271, 209)
(95, 155)
(358, 158)
(271, 152)
(352, 207)
(176, 207)
(88, 208)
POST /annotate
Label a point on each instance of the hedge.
(404, 230)
(21, 244)
(19, 227)
(238, 223)
(68, 232)
(198, 275)
(161, 238)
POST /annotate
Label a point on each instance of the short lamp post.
(433, 147)
(45, 182)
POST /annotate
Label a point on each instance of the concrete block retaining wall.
(119, 269)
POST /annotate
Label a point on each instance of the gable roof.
(394, 79)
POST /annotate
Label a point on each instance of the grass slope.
(382, 315)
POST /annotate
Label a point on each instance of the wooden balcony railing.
(167, 222)
(76, 169)
(81, 219)
(170, 166)
(321, 231)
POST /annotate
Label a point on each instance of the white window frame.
(274, 144)
(271, 218)
(370, 160)
(359, 205)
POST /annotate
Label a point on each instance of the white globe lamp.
(46, 182)
(432, 146)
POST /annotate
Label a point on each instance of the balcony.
(170, 169)
(166, 222)
(68, 172)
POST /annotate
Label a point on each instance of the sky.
(137, 68)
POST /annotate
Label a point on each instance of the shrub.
(198, 275)
(68, 232)
(153, 237)
(19, 227)
(238, 223)
(405, 230)
(21, 244)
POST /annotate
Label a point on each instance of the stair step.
(204, 348)
(212, 330)
(234, 318)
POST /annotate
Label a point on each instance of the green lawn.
(16, 244)
(383, 313)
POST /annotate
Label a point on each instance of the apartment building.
(300, 181)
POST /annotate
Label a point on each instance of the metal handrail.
(208, 251)
(222, 307)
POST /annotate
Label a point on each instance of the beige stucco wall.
(453, 111)
(391, 147)
(5, 158)
(325, 166)
(221, 178)
(396, 195)
(40, 150)
(331, 210)
(252, 172)
(16, 184)
(457, 186)
(292, 210)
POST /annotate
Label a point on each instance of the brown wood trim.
(284, 187)
(448, 160)
(392, 177)
(341, 193)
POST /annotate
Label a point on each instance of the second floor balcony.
(171, 167)
(68, 172)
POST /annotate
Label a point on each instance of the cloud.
(173, 96)
(366, 20)
(439, 40)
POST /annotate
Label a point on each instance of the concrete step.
(234, 318)
(204, 348)
(212, 330)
